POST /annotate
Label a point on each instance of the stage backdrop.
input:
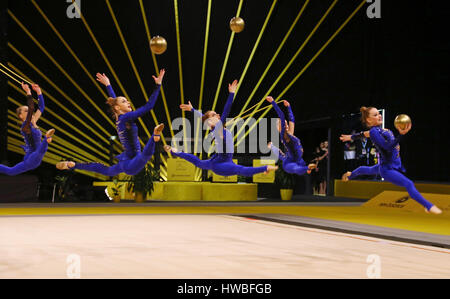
(398, 62)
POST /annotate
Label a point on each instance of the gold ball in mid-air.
(401, 121)
(158, 44)
(237, 24)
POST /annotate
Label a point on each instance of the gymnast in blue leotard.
(292, 158)
(132, 160)
(390, 166)
(34, 147)
(221, 162)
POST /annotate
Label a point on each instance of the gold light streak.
(305, 67)
(147, 31)
(290, 63)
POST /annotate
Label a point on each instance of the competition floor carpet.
(217, 240)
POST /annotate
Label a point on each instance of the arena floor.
(115, 241)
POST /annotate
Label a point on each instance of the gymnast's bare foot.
(157, 131)
(169, 149)
(311, 167)
(49, 135)
(65, 165)
(346, 175)
(434, 210)
(270, 168)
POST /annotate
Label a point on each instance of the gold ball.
(401, 121)
(237, 24)
(158, 44)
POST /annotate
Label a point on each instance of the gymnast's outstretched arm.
(102, 78)
(356, 136)
(41, 103)
(291, 127)
(189, 107)
(226, 110)
(150, 103)
(280, 114)
(30, 103)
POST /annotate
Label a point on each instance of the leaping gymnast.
(221, 162)
(132, 160)
(34, 147)
(292, 160)
(390, 165)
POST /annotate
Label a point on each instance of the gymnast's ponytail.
(206, 116)
(112, 102)
(365, 113)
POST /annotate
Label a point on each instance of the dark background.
(398, 62)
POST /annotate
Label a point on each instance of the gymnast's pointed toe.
(435, 210)
(158, 129)
(167, 148)
(345, 176)
(50, 133)
(64, 165)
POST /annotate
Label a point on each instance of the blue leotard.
(293, 158)
(390, 165)
(131, 160)
(34, 148)
(221, 162)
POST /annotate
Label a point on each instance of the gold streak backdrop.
(10, 76)
(6, 70)
(105, 59)
(224, 66)
(12, 116)
(42, 48)
(257, 108)
(252, 53)
(102, 53)
(62, 150)
(63, 120)
(180, 68)
(255, 46)
(305, 68)
(69, 99)
(149, 37)
(54, 61)
(289, 64)
(202, 82)
(54, 149)
(89, 75)
(133, 66)
(300, 13)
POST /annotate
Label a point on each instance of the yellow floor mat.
(428, 223)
